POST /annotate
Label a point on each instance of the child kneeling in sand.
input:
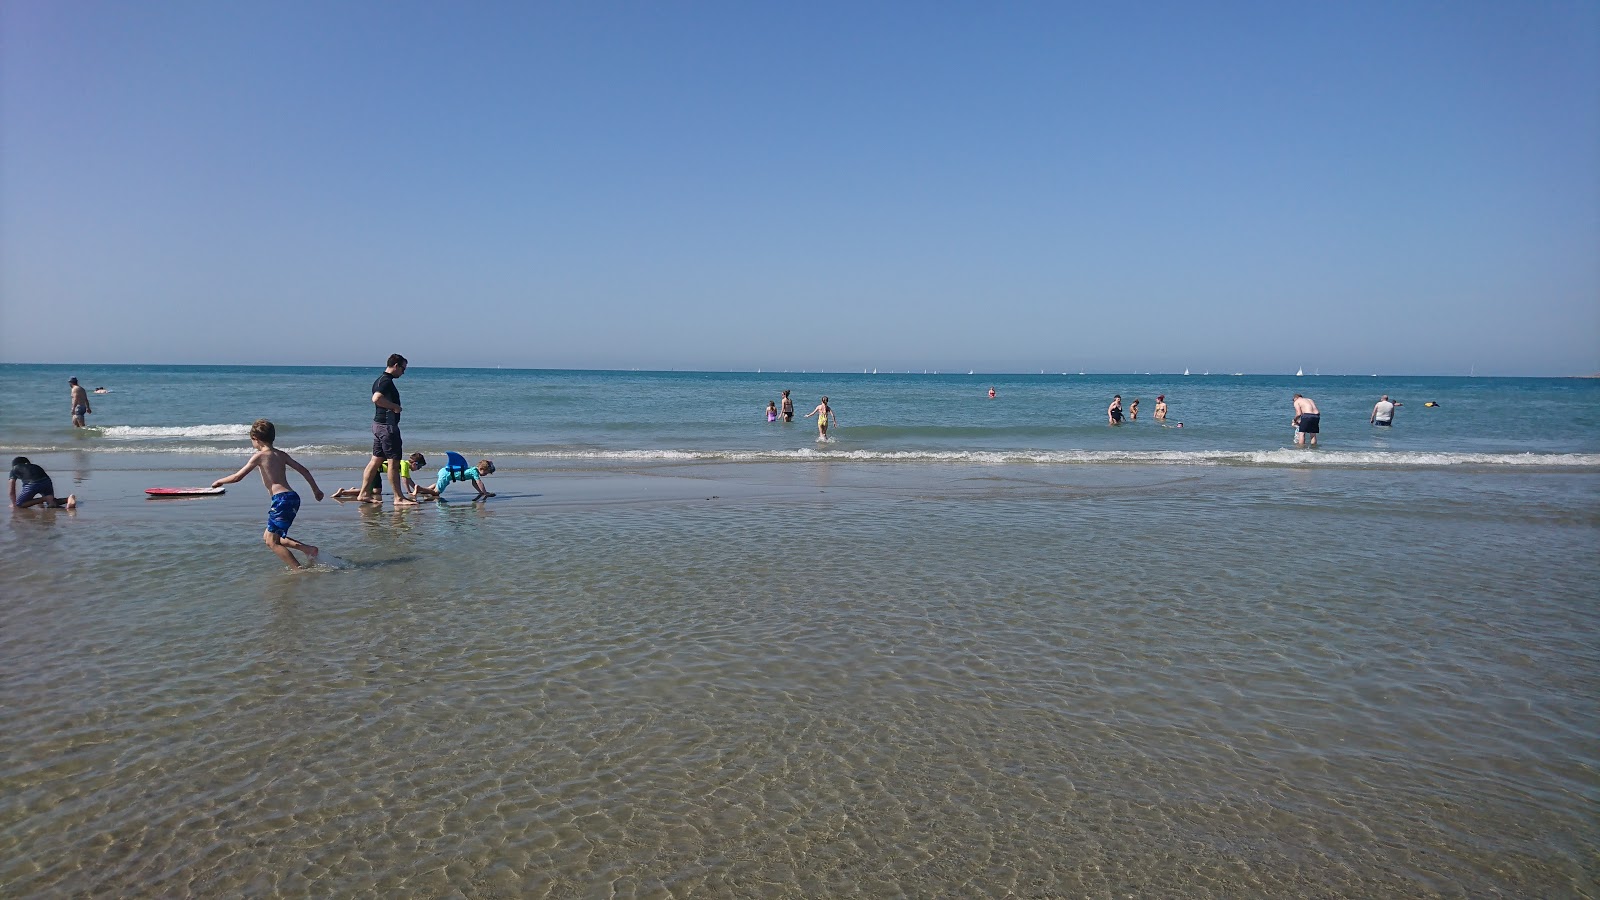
(285, 502)
(474, 474)
(37, 488)
(408, 465)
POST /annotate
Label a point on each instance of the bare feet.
(311, 554)
(401, 501)
(72, 501)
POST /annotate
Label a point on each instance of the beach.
(648, 668)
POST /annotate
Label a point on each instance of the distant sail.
(1300, 372)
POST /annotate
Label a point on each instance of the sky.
(1394, 187)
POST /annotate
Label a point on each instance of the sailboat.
(1185, 371)
(1300, 372)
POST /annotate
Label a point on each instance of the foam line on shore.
(1282, 457)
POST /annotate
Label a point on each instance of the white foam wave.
(1280, 457)
(148, 432)
(184, 449)
(1276, 457)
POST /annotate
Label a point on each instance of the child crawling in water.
(448, 476)
(285, 502)
(410, 464)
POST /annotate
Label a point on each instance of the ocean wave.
(181, 449)
(1276, 458)
(151, 432)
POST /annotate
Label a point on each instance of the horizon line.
(764, 371)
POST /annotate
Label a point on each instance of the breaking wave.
(157, 432)
(1276, 457)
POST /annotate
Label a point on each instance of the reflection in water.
(1193, 690)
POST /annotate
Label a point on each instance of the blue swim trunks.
(281, 515)
(32, 489)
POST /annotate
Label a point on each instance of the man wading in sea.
(1307, 420)
(386, 433)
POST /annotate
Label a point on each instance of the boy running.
(285, 502)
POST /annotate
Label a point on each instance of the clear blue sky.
(1394, 187)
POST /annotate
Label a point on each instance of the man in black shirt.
(386, 433)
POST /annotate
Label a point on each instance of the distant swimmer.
(1161, 407)
(825, 415)
(101, 390)
(788, 408)
(1383, 412)
(1114, 411)
(1307, 420)
(772, 411)
(1430, 403)
(80, 403)
(991, 393)
(1133, 410)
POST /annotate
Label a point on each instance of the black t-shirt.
(28, 473)
(385, 386)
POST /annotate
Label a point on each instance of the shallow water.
(835, 679)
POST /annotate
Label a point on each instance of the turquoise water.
(971, 647)
(537, 414)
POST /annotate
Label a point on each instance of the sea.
(966, 647)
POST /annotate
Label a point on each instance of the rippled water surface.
(944, 682)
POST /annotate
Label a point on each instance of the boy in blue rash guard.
(37, 488)
(285, 502)
(473, 474)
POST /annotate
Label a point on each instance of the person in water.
(285, 502)
(474, 474)
(80, 402)
(825, 415)
(386, 440)
(1161, 407)
(788, 408)
(1114, 411)
(1133, 410)
(1307, 420)
(1383, 412)
(991, 393)
(36, 487)
(408, 465)
(772, 411)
